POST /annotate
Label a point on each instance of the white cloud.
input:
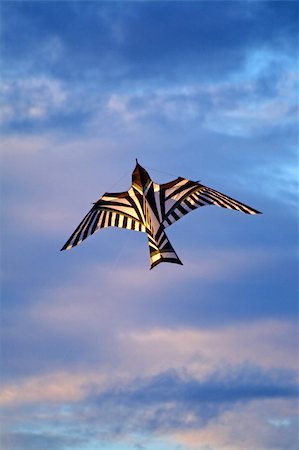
(235, 107)
(51, 388)
(32, 98)
(265, 343)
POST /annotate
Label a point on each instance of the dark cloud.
(159, 404)
(89, 53)
(166, 401)
(39, 440)
(150, 39)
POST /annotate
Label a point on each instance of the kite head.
(140, 178)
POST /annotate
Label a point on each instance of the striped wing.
(111, 210)
(184, 196)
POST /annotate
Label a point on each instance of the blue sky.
(98, 352)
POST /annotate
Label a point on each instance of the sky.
(97, 351)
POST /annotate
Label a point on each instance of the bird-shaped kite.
(150, 207)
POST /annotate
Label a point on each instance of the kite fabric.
(150, 208)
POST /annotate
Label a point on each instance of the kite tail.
(161, 250)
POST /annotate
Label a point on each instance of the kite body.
(150, 208)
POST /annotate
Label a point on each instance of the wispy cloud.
(167, 403)
(231, 431)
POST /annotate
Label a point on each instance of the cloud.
(39, 440)
(185, 394)
(266, 343)
(135, 353)
(124, 322)
(144, 41)
(52, 388)
(171, 403)
(38, 103)
(247, 427)
(236, 107)
(38, 95)
(253, 112)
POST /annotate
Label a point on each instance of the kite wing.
(182, 196)
(111, 210)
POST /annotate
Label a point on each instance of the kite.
(150, 208)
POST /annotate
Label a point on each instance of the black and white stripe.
(161, 250)
(150, 208)
(182, 201)
(97, 219)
